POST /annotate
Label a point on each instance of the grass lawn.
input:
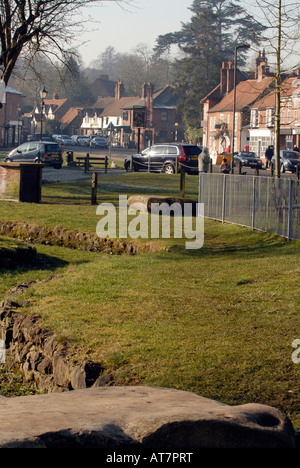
(218, 321)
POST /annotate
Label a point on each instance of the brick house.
(159, 108)
(218, 106)
(262, 121)
(54, 109)
(10, 118)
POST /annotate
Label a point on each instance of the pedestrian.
(203, 160)
(224, 166)
(269, 154)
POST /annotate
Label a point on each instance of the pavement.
(66, 174)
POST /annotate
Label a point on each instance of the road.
(68, 173)
(114, 152)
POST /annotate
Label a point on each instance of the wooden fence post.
(182, 181)
(87, 163)
(94, 188)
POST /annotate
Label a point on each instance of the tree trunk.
(277, 95)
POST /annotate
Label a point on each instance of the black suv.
(48, 153)
(162, 158)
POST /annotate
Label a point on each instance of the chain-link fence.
(263, 203)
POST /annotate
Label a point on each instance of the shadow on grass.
(40, 262)
(267, 244)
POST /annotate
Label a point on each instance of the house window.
(254, 118)
(270, 117)
(236, 122)
(164, 116)
(106, 121)
(289, 111)
(295, 111)
(125, 115)
(283, 120)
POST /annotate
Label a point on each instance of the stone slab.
(141, 417)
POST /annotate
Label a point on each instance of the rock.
(141, 417)
(153, 204)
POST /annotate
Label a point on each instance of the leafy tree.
(210, 37)
(107, 62)
(141, 66)
(73, 84)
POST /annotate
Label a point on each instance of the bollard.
(271, 169)
(131, 163)
(94, 188)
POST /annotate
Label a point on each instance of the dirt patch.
(73, 239)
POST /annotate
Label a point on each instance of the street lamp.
(43, 95)
(241, 46)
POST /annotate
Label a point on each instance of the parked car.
(83, 140)
(289, 160)
(75, 139)
(48, 153)
(65, 140)
(99, 142)
(248, 159)
(37, 137)
(162, 158)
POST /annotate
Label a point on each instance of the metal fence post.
(254, 203)
(290, 213)
(224, 198)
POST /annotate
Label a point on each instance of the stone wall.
(42, 356)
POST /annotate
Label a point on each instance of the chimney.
(262, 68)
(230, 77)
(55, 96)
(223, 82)
(144, 90)
(119, 90)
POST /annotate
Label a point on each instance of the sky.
(125, 27)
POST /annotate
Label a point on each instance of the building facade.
(10, 118)
(218, 107)
(262, 122)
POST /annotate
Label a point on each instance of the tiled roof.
(112, 107)
(70, 115)
(289, 87)
(247, 92)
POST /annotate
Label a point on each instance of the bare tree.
(282, 18)
(45, 26)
